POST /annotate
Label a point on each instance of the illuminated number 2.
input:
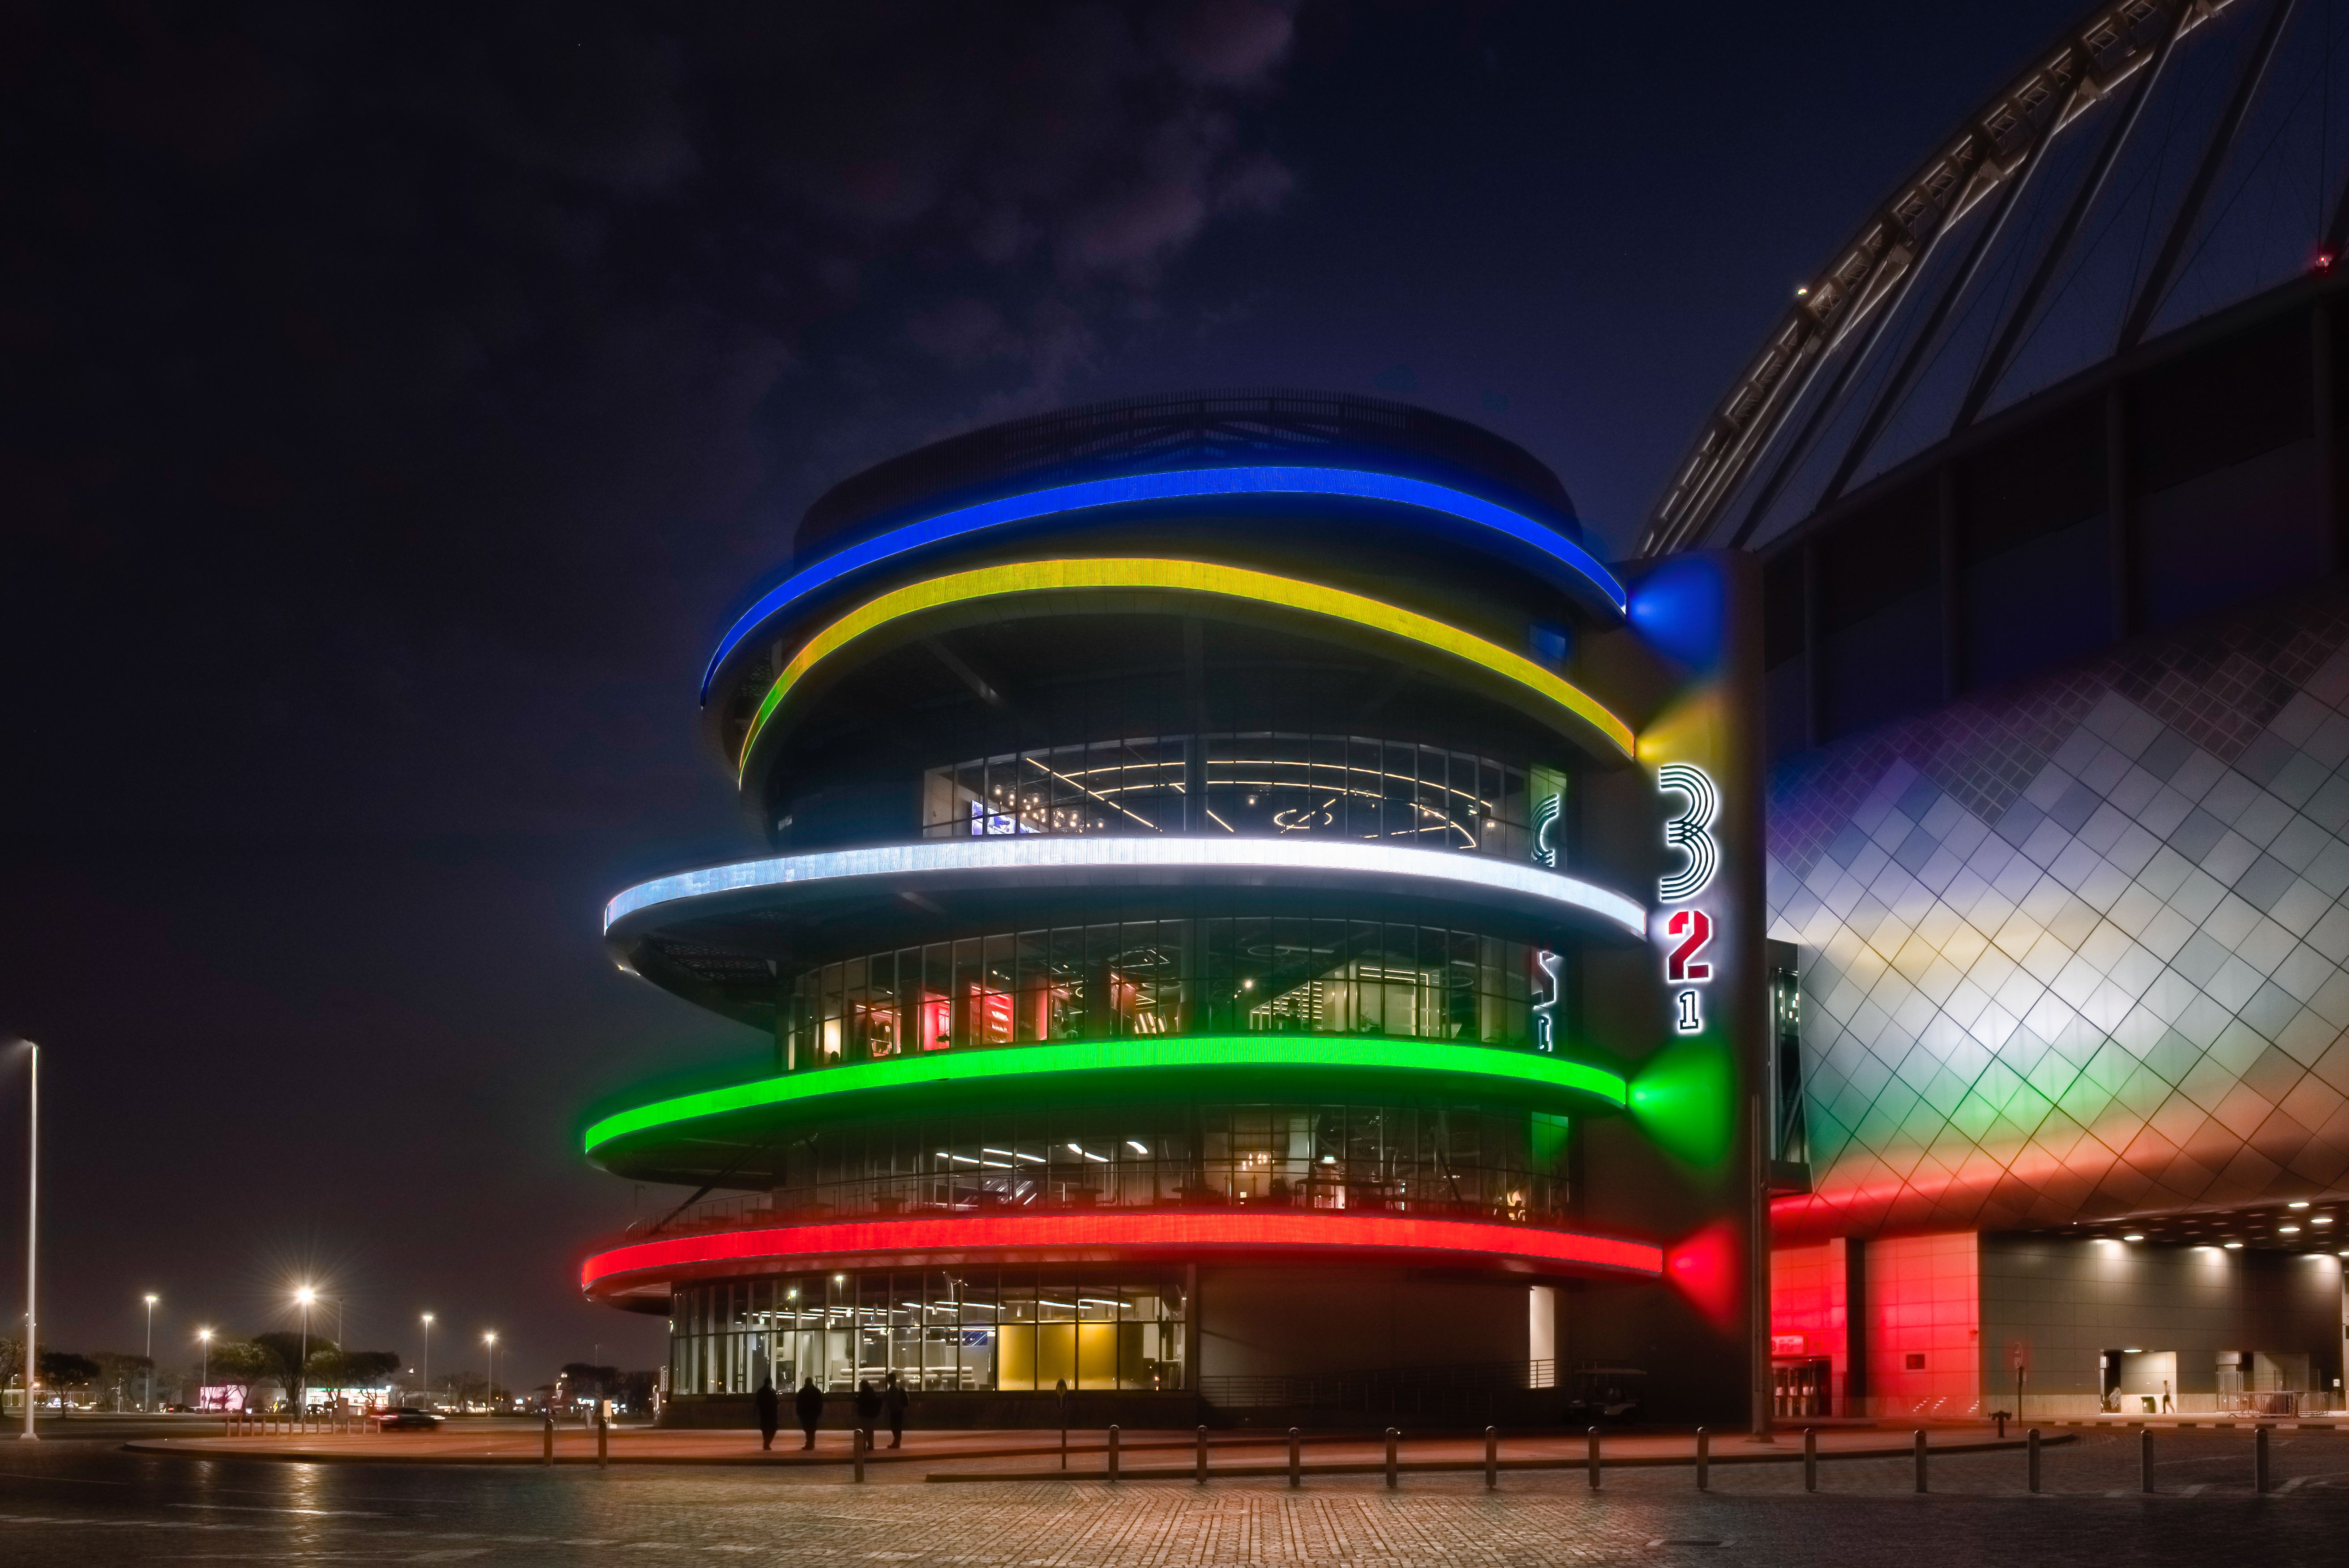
(1691, 832)
(1694, 927)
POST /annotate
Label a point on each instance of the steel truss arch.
(1867, 276)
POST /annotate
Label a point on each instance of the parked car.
(407, 1419)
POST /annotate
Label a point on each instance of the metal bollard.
(1810, 1459)
(856, 1441)
(546, 1439)
(1113, 1451)
(1594, 1458)
(603, 1439)
(2032, 1439)
(1920, 1460)
(1394, 1436)
(1296, 1459)
(1492, 1458)
(2260, 1459)
(2000, 1416)
(1703, 1460)
(1199, 1462)
(2144, 1459)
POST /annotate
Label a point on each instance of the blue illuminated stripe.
(1596, 582)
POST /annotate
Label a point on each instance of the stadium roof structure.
(2162, 163)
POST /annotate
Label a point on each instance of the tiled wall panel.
(2080, 948)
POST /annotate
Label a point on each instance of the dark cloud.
(417, 330)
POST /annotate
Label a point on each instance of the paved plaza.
(92, 1502)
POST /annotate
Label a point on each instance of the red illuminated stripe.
(782, 1245)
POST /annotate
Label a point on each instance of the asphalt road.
(77, 1500)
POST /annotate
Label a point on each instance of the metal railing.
(1403, 1387)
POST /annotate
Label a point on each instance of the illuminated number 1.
(1691, 832)
(1689, 1019)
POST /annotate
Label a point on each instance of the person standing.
(894, 1399)
(869, 1408)
(769, 1413)
(810, 1401)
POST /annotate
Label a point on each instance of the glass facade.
(1196, 976)
(981, 1329)
(1459, 1161)
(1266, 783)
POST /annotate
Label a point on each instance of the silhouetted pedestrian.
(769, 1413)
(810, 1401)
(894, 1399)
(869, 1408)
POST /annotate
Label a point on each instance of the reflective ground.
(79, 1499)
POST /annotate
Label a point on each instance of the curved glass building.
(1204, 935)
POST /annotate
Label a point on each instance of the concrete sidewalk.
(1143, 1455)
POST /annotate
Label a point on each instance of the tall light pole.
(149, 1397)
(491, 1395)
(426, 1376)
(32, 1232)
(204, 1377)
(304, 1297)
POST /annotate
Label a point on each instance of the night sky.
(398, 401)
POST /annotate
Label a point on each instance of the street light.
(204, 1377)
(426, 1376)
(149, 1397)
(32, 1229)
(490, 1397)
(304, 1297)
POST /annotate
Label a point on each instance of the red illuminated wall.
(1923, 1301)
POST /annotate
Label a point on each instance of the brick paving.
(91, 1504)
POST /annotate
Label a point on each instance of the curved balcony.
(641, 1273)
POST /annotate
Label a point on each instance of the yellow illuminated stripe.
(1184, 576)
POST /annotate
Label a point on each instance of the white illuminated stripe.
(1012, 854)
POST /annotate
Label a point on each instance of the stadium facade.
(2042, 472)
(1260, 924)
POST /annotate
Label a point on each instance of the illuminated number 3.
(1691, 832)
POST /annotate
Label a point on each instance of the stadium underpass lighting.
(2232, 1246)
(1577, 567)
(2134, 1236)
(1097, 576)
(979, 860)
(1073, 1063)
(2297, 1204)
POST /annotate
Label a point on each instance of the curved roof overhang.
(631, 1141)
(640, 1274)
(1141, 585)
(1512, 536)
(809, 885)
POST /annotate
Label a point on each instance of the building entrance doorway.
(2140, 1382)
(1800, 1387)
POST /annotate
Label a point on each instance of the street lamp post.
(204, 1377)
(148, 1399)
(32, 1230)
(304, 1297)
(490, 1395)
(426, 1376)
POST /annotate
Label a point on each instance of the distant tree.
(353, 1368)
(239, 1363)
(122, 1375)
(64, 1369)
(288, 1350)
(587, 1380)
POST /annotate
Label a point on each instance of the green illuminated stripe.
(1518, 1068)
(1187, 576)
